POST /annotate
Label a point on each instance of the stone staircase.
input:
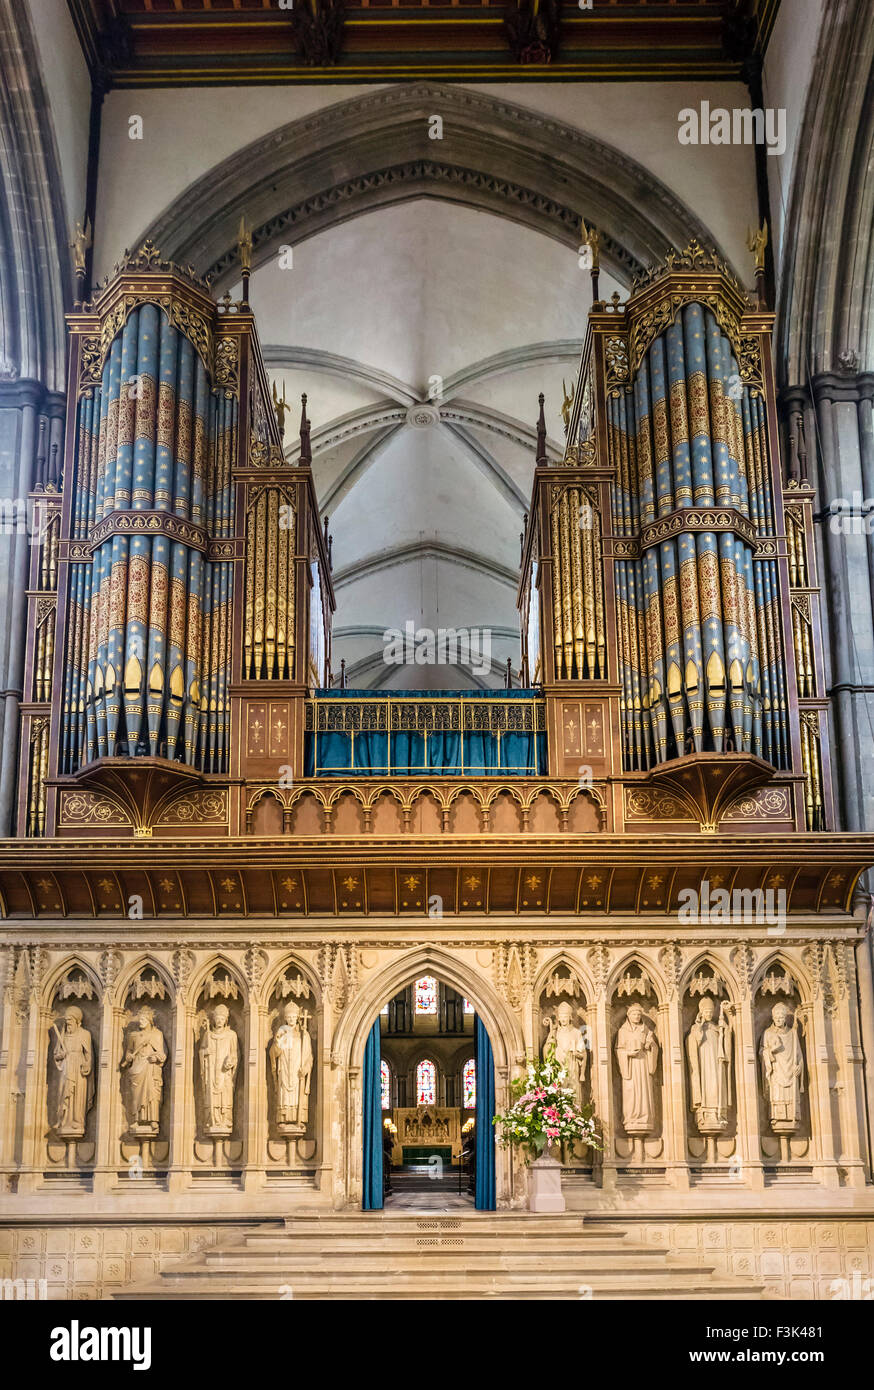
(469, 1255)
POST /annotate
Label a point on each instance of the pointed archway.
(500, 1027)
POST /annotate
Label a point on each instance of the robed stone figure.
(570, 1047)
(218, 1051)
(142, 1074)
(637, 1053)
(782, 1070)
(73, 1055)
(708, 1046)
(291, 1058)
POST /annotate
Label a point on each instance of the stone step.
(545, 1286)
(380, 1256)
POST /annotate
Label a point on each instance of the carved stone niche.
(72, 1065)
(147, 1027)
(710, 1069)
(219, 1069)
(291, 1071)
(637, 1069)
(782, 1070)
(564, 1018)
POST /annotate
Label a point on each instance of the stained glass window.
(385, 1078)
(426, 1080)
(426, 995)
(468, 1084)
(468, 1007)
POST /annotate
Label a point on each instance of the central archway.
(351, 1036)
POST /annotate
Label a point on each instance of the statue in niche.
(637, 1053)
(782, 1070)
(73, 1055)
(142, 1074)
(218, 1051)
(709, 1046)
(291, 1057)
(570, 1046)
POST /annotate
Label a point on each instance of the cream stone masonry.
(795, 1128)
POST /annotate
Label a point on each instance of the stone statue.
(218, 1067)
(142, 1074)
(782, 1070)
(708, 1046)
(73, 1057)
(570, 1047)
(637, 1052)
(291, 1058)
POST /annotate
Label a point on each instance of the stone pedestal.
(544, 1190)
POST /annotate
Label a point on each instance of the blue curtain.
(445, 753)
(372, 1093)
(485, 1111)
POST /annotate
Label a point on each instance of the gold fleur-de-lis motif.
(411, 883)
(350, 883)
(472, 882)
(229, 884)
(532, 882)
(106, 885)
(594, 881)
(290, 885)
(166, 885)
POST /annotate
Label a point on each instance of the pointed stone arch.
(503, 1028)
(143, 961)
(497, 157)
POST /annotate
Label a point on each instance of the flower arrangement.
(545, 1110)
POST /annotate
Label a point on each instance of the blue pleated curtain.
(444, 753)
(485, 1112)
(372, 1096)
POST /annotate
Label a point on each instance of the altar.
(425, 1130)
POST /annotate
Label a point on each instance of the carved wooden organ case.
(180, 595)
(668, 595)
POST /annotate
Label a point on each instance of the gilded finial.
(592, 237)
(566, 405)
(280, 406)
(244, 246)
(756, 243)
(79, 245)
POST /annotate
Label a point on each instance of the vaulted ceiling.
(422, 337)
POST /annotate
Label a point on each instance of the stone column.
(10, 1046)
(181, 1157)
(254, 1126)
(864, 984)
(846, 497)
(15, 550)
(851, 1088)
(674, 1115)
(107, 1155)
(817, 1079)
(747, 1079)
(602, 1087)
(33, 1156)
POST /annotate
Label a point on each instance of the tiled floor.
(428, 1201)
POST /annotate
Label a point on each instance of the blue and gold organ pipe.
(701, 661)
(148, 626)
